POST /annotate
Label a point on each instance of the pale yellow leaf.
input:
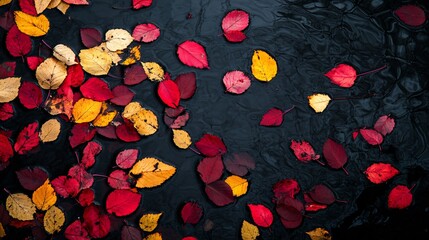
(264, 66)
(181, 138)
(319, 234)
(318, 102)
(145, 122)
(151, 172)
(44, 197)
(9, 88)
(133, 56)
(131, 109)
(53, 220)
(86, 110)
(2, 231)
(238, 185)
(50, 130)
(113, 55)
(95, 61)
(63, 7)
(20, 207)
(153, 70)
(51, 73)
(249, 231)
(153, 236)
(118, 39)
(148, 222)
(2, 3)
(64, 54)
(31, 25)
(106, 116)
(41, 5)
(54, 4)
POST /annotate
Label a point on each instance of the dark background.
(307, 38)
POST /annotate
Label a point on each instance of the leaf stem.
(47, 45)
(7, 191)
(372, 71)
(99, 175)
(412, 186)
(113, 76)
(318, 161)
(194, 150)
(288, 110)
(345, 170)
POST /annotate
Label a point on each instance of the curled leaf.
(64, 54)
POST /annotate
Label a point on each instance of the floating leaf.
(31, 25)
(89, 152)
(95, 61)
(18, 44)
(335, 154)
(219, 193)
(28, 139)
(30, 95)
(234, 36)
(20, 207)
(318, 102)
(371, 136)
(192, 54)
(249, 231)
(50, 130)
(211, 145)
(169, 93)
(76, 231)
(126, 158)
(191, 213)
(118, 39)
(400, 197)
(91, 37)
(9, 88)
(86, 110)
(239, 163)
(64, 54)
(122, 202)
(44, 197)
(96, 89)
(53, 220)
(261, 215)
(146, 33)
(118, 179)
(286, 188)
(181, 138)
(235, 20)
(153, 71)
(187, 84)
(236, 82)
(322, 194)
(380, 172)
(273, 117)
(384, 125)
(264, 66)
(122, 95)
(342, 75)
(210, 169)
(137, 4)
(411, 15)
(152, 172)
(51, 73)
(303, 151)
(31, 179)
(148, 222)
(238, 185)
(319, 234)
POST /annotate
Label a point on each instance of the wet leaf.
(31, 178)
(384, 125)
(249, 231)
(273, 117)
(134, 74)
(126, 158)
(412, 15)
(169, 93)
(187, 85)
(192, 54)
(322, 194)
(210, 169)
(211, 145)
(126, 132)
(148, 222)
(152, 172)
(191, 213)
(239, 163)
(236, 82)
(342, 75)
(181, 138)
(96, 89)
(264, 66)
(105, 117)
(51, 73)
(153, 71)
(85, 110)
(20, 207)
(44, 197)
(28, 139)
(303, 151)
(64, 54)
(380, 172)
(53, 220)
(118, 39)
(319, 234)
(33, 62)
(17, 43)
(91, 37)
(31, 25)
(238, 185)
(334, 154)
(2, 3)
(122, 202)
(146, 33)
(261, 215)
(219, 193)
(400, 197)
(9, 88)
(95, 61)
(30, 95)
(50, 130)
(318, 102)
(235, 20)
(2, 231)
(371, 136)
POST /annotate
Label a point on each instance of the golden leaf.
(64, 54)
(51, 73)
(153, 70)
(63, 7)
(319, 234)
(53, 220)
(20, 207)
(54, 4)
(153, 236)
(118, 39)
(131, 109)
(113, 55)
(133, 56)
(152, 172)
(238, 185)
(181, 138)
(106, 116)
(95, 61)
(318, 102)
(41, 5)
(264, 67)
(148, 222)
(31, 25)
(9, 88)
(2, 3)
(50, 130)
(249, 231)
(86, 110)
(145, 121)
(44, 197)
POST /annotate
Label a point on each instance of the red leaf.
(286, 188)
(81, 133)
(236, 82)
(355, 134)
(30, 95)
(127, 132)
(6, 151)
(91, 37)
(17, 43)
(89, 153)
(272, 118)
(134, 74)
(122, 95)
(322, 194)
(380, 172)
(65, 186)
(96, 89)
(169, 93)
(7, 20)
(84, 178)
(191, 213)
(303, 151)
(261, 215)
(31, 179)
(174, 112)
(75, 75)
(371, 136)
(177, 123)
(210, 145)
(76, 231)
(77, 2)
(192, 54)
(28, 139)
(108, 132)
(34, 61)
(7, 69)
(400, 197)
(127, 158)
(290, 212)
(342, 75)
(234, 36)
(219, 193)
(6, 111)
(130, 233)
(210, 169)
(189, 238)
(335, 154)
(384, 125)
(239, 163)
(86, 197)
(97, 223)
(235, 20)
(118, 179)
(122, 202)
(146, 32)
(28, 7)
(411, 15)
(311, 205)
(137, 4)
(187, 85)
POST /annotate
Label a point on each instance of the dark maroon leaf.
(210, 145)
(335, 154)
(127, 132)
(7, 69)
(174, 112)
(31, 179)
(130, 233)
(191, 213)
(322, 194)
(210, 169)
(108, 132)
(286, 188)
(6, 111)
(239, 163)
(219, 193)
(91, 37)
(81, 133)
(7, 20)
(134, 74)
(122, 95)
(187, 84)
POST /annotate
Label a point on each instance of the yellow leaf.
(44, 197)
(181, 138)
(41, 5)
(318, 102)
(319, 234)
(63, 7)
(50, 130)
(2, 3)
(264, 67)
(133, 56)
(153, 236)
(95, 61)
(106, 116)
(148, 222)
(151, 172)
(238, 185)
(31, 25)
(249, 231)
(131, 109)
(113, 55)
(53, 220)
(86, 110)
(118, 39)
(2, 231)
(20, 207)
(64, 54)
(51, 73)
(54, 4)
(145, 121)
(9, 88)
(153, 70)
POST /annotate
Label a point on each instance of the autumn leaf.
(20, 207)
(148, 222)
(238, 185)
(76, 231)
(236, 82)
(44, 197)
(384, 125)
(400, 197)
(126, 158)
(134, 74)
(322, 194)
(53, 220)
(137, 4)
(153, 236)
(219, 193)
(30, 95)
(151, 172)
(319, 234)
(91, 150)
(131, 56)
(28, 139)
(192, 54)
(191, 213)
(210, 169)
(64, 54)
(342, 75)
(130, 233)
(264, 66)
(286, 188)
(6, 111)
(50, 130)
(249, 231)
(118, 39)
(380, 172)
(2, 231)
(169, 93)
(95, 61)
(118, 179)
(96, 89)
(146, 32)
(18, 44)
(86, 197)
(335, 154)
(235, 20)
(31, 25)
(318, 102)
(86, 110)
(153, 71)
(122, 95)
(96, 222)
(76, 2)
(63, 7)
(239, 163)
(122, 202)
(261, 215)
(32, 178)
(9, 88)
(181, 138)
(371, 136)
(90, 37)
(290, 211)
(105, 117)
(412, 15)
(303, 151)
(51, 73)
(2, 3)
(187, 84)
(210, 145)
